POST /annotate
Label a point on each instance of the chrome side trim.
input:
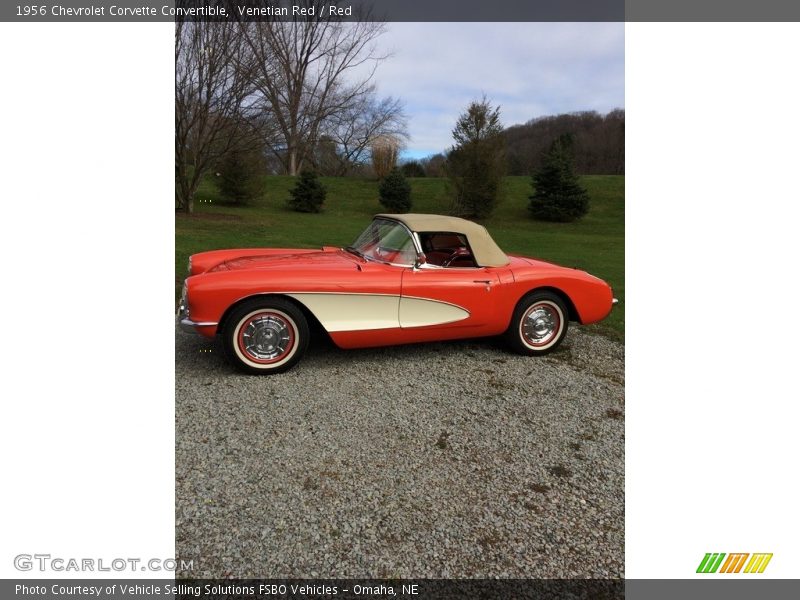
(187, 325)
(437, 301)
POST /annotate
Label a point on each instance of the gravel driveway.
(454, 460)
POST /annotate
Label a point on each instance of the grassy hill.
(596, 243)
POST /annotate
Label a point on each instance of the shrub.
(395, 192)
(240, 176)
(557, 194)
(308, 194)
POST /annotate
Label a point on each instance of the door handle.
(486, 282)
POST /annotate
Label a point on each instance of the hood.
(289, 261)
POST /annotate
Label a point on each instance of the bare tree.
(212, 75)
(306, 75)
(356, 128)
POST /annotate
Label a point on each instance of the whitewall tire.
(265, 336)
(539, 324)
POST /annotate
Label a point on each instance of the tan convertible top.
(484, 249)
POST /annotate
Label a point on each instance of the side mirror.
(421, 260)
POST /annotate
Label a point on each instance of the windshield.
(386, 241)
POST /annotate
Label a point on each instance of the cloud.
(530, 69)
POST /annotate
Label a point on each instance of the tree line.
(598, 145)
(598, 142)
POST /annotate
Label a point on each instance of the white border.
(88, 292)
(712, 263)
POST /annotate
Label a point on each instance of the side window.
(446, 249)
(387, 241)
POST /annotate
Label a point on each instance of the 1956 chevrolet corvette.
(407, 278)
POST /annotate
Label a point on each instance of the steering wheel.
(457, 253)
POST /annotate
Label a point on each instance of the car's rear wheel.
(265, 336)
(539, 324)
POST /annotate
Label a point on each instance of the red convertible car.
(407, 278)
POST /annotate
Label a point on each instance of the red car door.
(461, 299)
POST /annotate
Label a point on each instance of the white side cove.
(352, 312)
(419, 312)
(361, 312)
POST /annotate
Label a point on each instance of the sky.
(529, 69)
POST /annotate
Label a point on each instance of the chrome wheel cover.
(540, 324)
(266, 337)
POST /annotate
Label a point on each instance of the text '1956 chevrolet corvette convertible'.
(407, 278)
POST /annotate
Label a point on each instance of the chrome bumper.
(188, 326)
(184, 322)
(614, 301)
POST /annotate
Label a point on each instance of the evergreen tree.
(308, 194)
(395, 192)
(241, 176)
(557, 194)
(475, 165)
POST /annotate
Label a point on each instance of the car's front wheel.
(265, 336)
(539, 324)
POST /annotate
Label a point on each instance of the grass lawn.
(596, 243)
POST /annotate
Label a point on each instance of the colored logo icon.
(734, 563)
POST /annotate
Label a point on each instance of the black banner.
(403, 10)
(739, 588)
(305, 589)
